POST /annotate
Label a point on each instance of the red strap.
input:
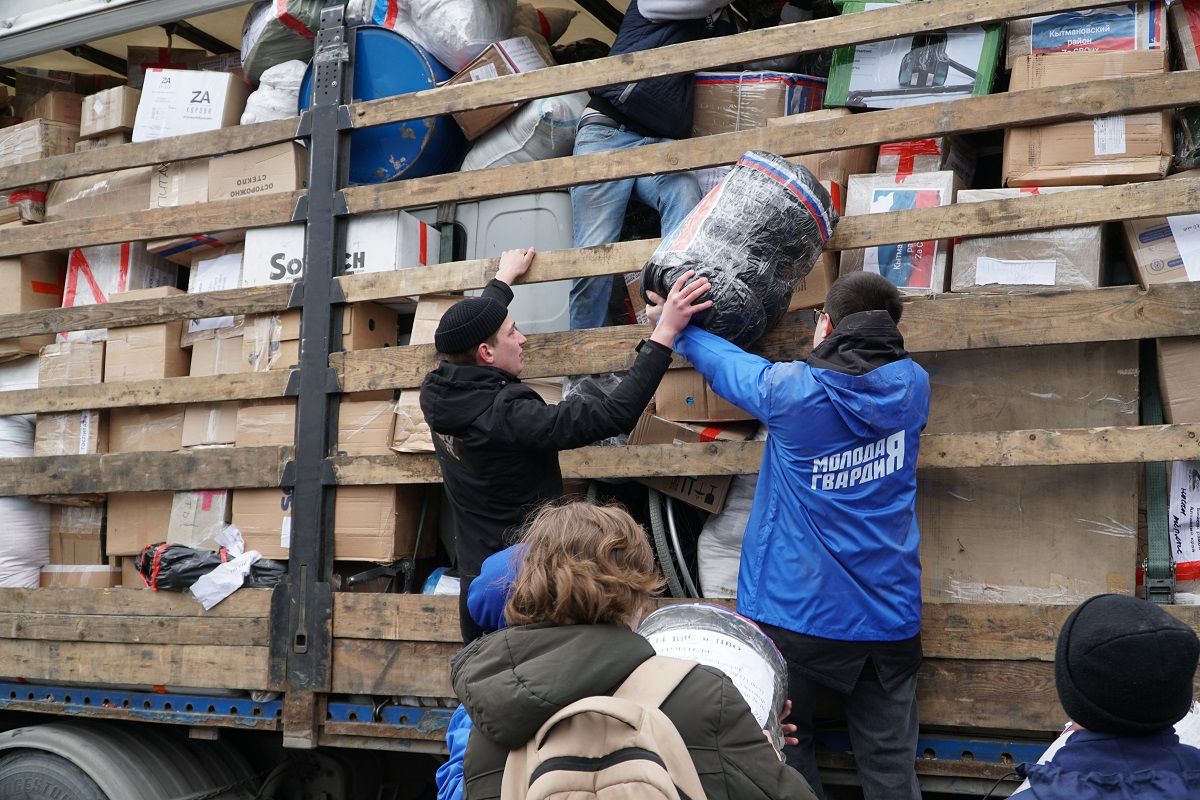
(78, 266)
(423, 244)
(1030, 190)
(908, 152)
(835, 197)
(393, 11)
(288, 20)
(711, 433)
(20, 195)
(158, 551)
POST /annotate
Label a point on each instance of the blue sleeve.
(741, 378)
(450, 775)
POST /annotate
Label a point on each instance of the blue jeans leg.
(674, 195)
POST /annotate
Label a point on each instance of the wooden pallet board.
(163, 392)
(161, 630)
(246, 603)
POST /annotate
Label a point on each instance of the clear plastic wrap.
(1187, 138)
(26, 204)
(278, 93)
(754, 237)
(36, 139)
(176, 567)
(25, 534)
(719, 548)
(453, 31)
(540, 129)
(276, 31)
(719, 638)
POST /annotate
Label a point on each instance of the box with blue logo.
(1120, 28)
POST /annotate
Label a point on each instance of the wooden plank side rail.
(232, 468)
(797, 38)
(991, 112)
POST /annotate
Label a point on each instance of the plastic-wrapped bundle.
(719, 638)
(276, 31)
(453, 31)
(540, 129)
(25, 535)
(175, 567)
(277, 95)
(754, 237)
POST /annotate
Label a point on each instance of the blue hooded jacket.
(831, 544)
(1106, 766)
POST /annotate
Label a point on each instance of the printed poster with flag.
(911, 265)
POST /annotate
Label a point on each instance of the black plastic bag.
(754, 237)
(175, 567)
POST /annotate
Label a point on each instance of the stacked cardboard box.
(1119, 28)
(75, 535)
(177, 102)
(95, 273)
(108, 112)
(507, 57)
(708, 492)
(30, 282)
(185, 183)
(1156, 254)
(738, 101)
(71, 432)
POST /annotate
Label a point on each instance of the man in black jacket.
(497, 441)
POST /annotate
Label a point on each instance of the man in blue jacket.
(829, 566)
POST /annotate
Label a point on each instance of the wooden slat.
(1000, 695)
(135, 629)
(803, 37)
(100, 663)
(992, 112)
(164, 392)
(255, 300)
(245, 603)
(160, 151)
(374, 666)
(230, 468)
(249, 212)
(396, 617)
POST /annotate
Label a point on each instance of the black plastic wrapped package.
(754, 236)
(175, 567)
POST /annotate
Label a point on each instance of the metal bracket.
(337, 295)
(345, 119)
(300, 212)
(328, 476)
(304, 128)
(340, 207)
(296, 298)
(288, 481)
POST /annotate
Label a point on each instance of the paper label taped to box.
(748, 670)
(1185, 228)
(1010, 272)
(1183, 519)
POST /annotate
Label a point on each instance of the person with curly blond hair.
(586, 581)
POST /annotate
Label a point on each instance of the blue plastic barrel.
(386, 64)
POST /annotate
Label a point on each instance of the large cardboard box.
(75, 535)
(142, 430)
(137, 519)
(507, 57)
(145, 352)
(1105, 150)
(412, 434)
(111, 111)
(737, 101)
(271, 341)
(119, 192)
(365, 427)
(213, 423)
(915, 267)
(273, 255)
(683, 396)
(706, 492)
(56, 107)
(1179, 379)
(31, 282)
(1155, 253)
(281, 167)
(31, 141)
(184, 183)
(929, 155)
(23, 204)
(1131, 26)
(1184, 22)
(914, 70)
(834, 165)
(215, 271)
(1066, 258)
(32, 84)
(71, 364)
(77, 576)
(379, 523)
(390, 240)
(810, 291)
(71, 432)
(95, 273)
(143, 59)
(264, 516)
(197, 517)
(264, 423)
(177, 102)
(101, 142)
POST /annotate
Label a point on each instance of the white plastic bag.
(719, 548)
(540, 129)
(277, 95)
(453, 31)
(224, 580)
(25, 533)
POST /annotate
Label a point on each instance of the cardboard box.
(71, 364)
(507, 57)
(75, 576)
(183, 183)
(177, 102)
(95, 273)
(379, 523)
(146, 429)
(273, 255)
(834, 165)
(390, 240)
(1065, 258)
(914, 70)
(31, 282)
(32, 141)
(811, 290)
(264, 423)
(130, 577)
(738, 101)
(215, 271)
(281, 167)
(929, 155)
(146, 352)
(23, 204)
(196, 517)
(32, 84)
(142, 59)
(71, 433)
(706, 492)
(75, 535)
(264, 516)
(365, 427)
(412, 434)
(1106, 150)
(1131, 26)
(1179, 379)
(97, 195)
(137, 519)
(1154, 253)
(916, 267)
(1184, 22)
(271, 341)
(683, 396)
(111, 111)
(101, 142)
(56, 107)
(213, 423)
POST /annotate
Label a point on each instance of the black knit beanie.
(468, 323)
(1125, 666)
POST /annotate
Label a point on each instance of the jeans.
(883, 734)
(598, 211)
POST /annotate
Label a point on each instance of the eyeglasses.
(817, 315)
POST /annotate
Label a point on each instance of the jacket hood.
(867, 374)
(1100, 766)
(514, 680)
(453, 396)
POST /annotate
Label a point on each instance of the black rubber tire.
(38, 775)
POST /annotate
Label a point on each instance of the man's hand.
(672, 315)
(514, 264)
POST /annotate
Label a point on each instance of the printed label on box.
(520, 53)
(1186, 230)
(910, 265)
(1183, 519)
(85, 431)
(1014, 272)
(1109, 135)
(484, 72)
(214, 275)
(1092, 30)
(285, 534)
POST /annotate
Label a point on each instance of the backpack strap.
(654, 680)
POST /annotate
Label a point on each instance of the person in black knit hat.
(1124, 670)
(496, 440)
